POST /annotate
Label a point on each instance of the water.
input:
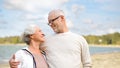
(98, 50)
(7, 51)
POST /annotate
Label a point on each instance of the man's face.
(55, 23)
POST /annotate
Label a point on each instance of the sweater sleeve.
(85, 54)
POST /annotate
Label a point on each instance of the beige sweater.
(67, 50)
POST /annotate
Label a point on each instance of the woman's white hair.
(27, 32)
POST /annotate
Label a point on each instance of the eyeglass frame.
(51, 21)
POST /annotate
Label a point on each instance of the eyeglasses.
(51, 21)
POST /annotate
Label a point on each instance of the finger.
(13, 57)
(13, 66)
(15, 63)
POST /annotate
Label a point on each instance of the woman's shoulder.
(20, 51)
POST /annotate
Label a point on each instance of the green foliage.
(10, 40)
(104, 39)
(113, 39)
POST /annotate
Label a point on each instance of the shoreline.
(95, 45)
(13, 44)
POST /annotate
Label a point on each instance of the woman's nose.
(43, 34)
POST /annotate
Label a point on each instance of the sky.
(85, 17)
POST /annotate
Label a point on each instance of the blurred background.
(97, 20)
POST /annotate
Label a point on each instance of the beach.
(4, 65)
(106, 60)
(109, 60)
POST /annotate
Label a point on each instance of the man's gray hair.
(56, 12)
(27, 32)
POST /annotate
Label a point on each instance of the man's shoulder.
(79, 36)
(76, 34)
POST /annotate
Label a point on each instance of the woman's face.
(38, 35)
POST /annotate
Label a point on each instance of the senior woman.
(31, 56)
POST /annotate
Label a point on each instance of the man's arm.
(13, 63)
(85, 55)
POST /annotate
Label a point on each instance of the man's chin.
(55, 31)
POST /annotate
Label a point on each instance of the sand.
(4, 65)
(110, 60)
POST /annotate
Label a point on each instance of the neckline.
(63, 33)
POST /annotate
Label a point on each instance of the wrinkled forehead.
(55, 13)
(38, 28)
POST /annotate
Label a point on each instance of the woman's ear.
(31, 36)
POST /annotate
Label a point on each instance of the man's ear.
(62, 17)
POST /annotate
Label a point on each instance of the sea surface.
(6, 51)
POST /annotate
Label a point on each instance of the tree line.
(11, 40)
(108, 39)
